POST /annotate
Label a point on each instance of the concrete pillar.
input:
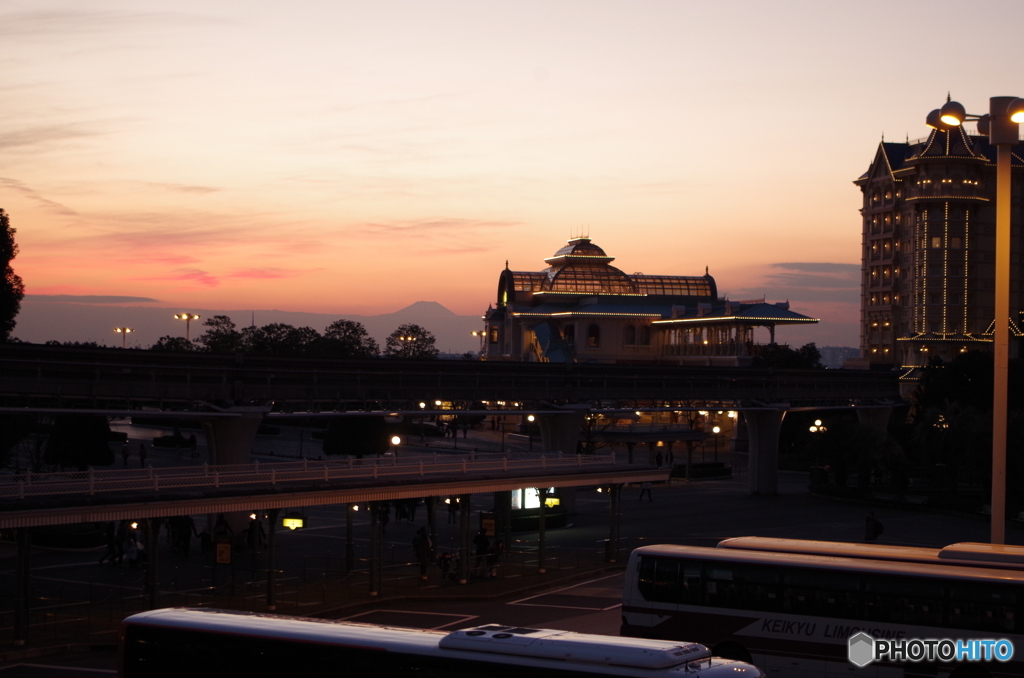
(764, 427)
(350, 544)
(272, 560)
(431, 503)
(542, 529)
(23, 586)
(612, 548)
(229, 439)
(375, 548)
(464, 540)
(561, 432)
(151, 565)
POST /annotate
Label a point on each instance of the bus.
(193, 643)
(1003, 556)
(792, 614)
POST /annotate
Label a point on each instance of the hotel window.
(569, 334)
(645, 335)
(954, 243)
(629, 335)
(936, 241)
(593, 336)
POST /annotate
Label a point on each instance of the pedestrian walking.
(453, 510)
(111, 537)
(872, 527)
(645, 488)
(142, 455)
(482, 544)
(205, 541)
(125, 453)
(424, 550)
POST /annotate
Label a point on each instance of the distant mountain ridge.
(41, 320)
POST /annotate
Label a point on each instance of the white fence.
(92, 481)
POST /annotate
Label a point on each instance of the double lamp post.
(1002, 125)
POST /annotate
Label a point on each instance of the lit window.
(936, 242)
(593, 336)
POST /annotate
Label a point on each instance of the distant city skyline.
(350, 158)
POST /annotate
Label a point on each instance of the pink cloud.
(185, 274)
(268, 273)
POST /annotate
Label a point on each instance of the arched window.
(569, 334)
(645, 335)
(629, 335)
(593, 336)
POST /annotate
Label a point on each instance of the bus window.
(982, 607)
(670, 581)
(822, 594)
(742, 586)
(903, 599)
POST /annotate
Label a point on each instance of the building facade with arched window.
(582, 309)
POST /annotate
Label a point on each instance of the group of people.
(126, 454)
(126, 539)
(487, 555)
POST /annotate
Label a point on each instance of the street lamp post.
(716, 430)
(481, 334)
(1001, 124)
(124, 332)
(188, 318)
(529, 428)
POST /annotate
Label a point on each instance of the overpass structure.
(144, 496)
(233, 393)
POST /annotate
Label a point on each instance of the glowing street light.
(123, 331)
(529, 429)
(188, 318)
(1001, 124)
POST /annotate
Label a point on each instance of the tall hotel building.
(928, 250)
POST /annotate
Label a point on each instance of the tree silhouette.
(171, 344)
(807, 357)
(221, 335)
(356, 436)
(12, 289)
(410, 341)
(347, 339)
(79, 440)
(279, 340)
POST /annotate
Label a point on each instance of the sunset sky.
(354, 157)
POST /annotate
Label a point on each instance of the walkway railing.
(92, 481)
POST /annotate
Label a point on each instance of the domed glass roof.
(580, 247)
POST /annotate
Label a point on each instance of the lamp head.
(1016, 110)
(952, 113)
(934, 120)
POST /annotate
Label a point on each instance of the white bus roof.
(569, 646)
(967, 553)
(925, 569)
(599, 655)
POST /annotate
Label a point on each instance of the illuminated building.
(928, 247)
(583, 309)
